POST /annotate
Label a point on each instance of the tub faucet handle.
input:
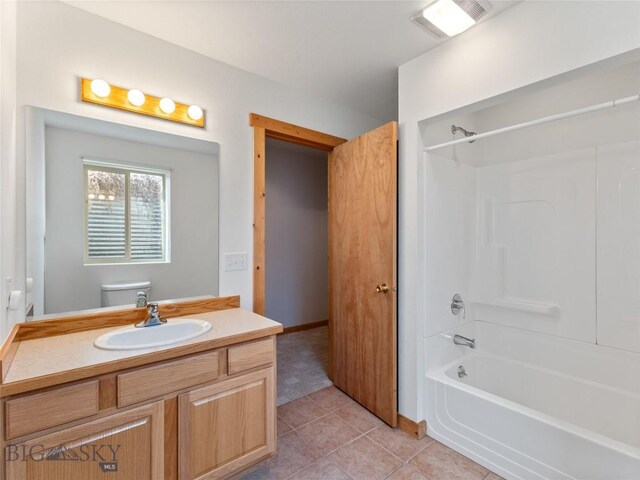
(457, 305)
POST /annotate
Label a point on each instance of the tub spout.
(464, 341)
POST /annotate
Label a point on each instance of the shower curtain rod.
(539, 121)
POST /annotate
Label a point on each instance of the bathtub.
(531, 406)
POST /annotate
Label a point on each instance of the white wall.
(58, 43)
(7, 159)
(296, 234)
(529, 43)
(193, 269)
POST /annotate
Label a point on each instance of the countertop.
(43, 362)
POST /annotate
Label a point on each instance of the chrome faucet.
(142, 300)
(464, 341)
(153, 317)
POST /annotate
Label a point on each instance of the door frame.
(263, 128)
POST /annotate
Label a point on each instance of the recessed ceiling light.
(447, 18)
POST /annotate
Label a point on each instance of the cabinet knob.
(382, 288)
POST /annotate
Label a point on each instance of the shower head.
(466, 132)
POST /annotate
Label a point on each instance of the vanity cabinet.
(123, 446)
(206, 415)
(226, 426)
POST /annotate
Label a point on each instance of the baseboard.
(305, 326)
(415, 429)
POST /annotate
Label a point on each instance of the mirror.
(113, 210)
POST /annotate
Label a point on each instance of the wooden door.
(228, 426)
(122, 446)
(362, 270)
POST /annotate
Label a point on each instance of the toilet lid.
(111, 287)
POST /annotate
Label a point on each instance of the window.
(126, 214)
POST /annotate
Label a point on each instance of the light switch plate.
(235, 261)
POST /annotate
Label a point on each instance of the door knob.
(382, 288)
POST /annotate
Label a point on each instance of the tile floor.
(327, 436)
(302, 363)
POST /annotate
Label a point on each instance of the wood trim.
(171, 438)
(107, 392)
(264, 127)
(101, 319)
(259, 224)
(291, 133)
(151, 107)
(8, 351)
(416, 429)
(305, 326)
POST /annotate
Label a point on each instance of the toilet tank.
(123, 293)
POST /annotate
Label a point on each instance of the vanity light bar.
(100, 92)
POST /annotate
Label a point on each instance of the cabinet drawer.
(251, 355)
(39, 411)
(150, 382)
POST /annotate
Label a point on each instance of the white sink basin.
(174, 331)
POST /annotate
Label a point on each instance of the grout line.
(385, 448)
(361, 435)
(310, 421)
(392, 473)
(328, 455)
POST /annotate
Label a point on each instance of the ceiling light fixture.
(447, 18)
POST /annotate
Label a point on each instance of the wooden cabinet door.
(225, 427)
(123, 446)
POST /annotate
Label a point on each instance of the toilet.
(123, 293)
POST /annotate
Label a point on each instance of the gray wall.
(296, 234)
(193, 270)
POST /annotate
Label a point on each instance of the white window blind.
(126, 215)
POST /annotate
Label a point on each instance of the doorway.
(362, 256)
(296, 262)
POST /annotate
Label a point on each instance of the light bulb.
(167, 105)
(112, 197)
(194, 112)
(448, 16)
(101, 197)
(100, 88)
(136, 97)
(92, 196)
